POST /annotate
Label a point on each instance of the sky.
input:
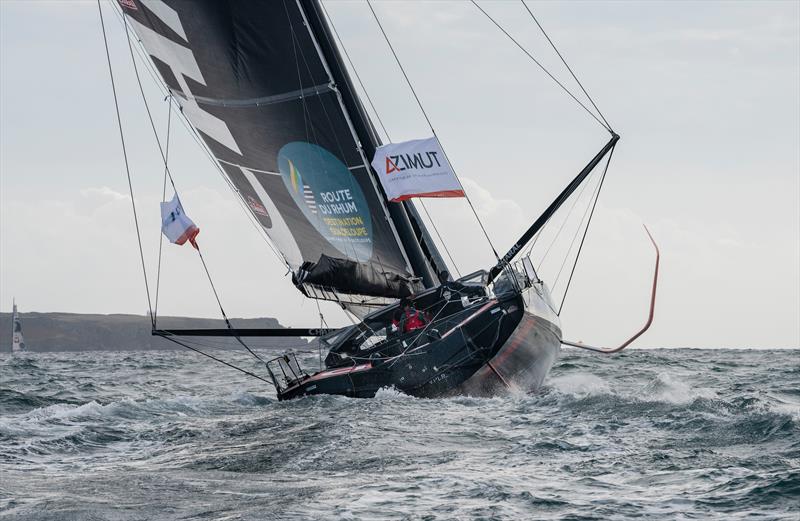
(706, 97)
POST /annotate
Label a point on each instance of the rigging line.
(171, 339)
(295, 46)
(553, 45)
(424, 113)
(380, 120)
(539, 233)
(344, 111)
(219, 303)
(580, 247)
(197, 139)
(331, 127)
(441, 239)
(319, 339)
(575, 236)
(297, 67)
(355, 71)
(127, 166)
(563, 223)
(529, 249)
(147, 109)
(168, 174)
(163, 199)
(605, 126)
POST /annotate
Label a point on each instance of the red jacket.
(413, 320)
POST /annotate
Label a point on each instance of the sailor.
(413, 319)
(407, 317)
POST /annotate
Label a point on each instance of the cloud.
(490, 207)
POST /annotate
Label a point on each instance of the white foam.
(391, 394)
(580, 385)
(666, 387)
(64, 411)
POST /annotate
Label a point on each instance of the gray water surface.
(649, 434)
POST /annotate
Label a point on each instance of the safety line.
(127, 166)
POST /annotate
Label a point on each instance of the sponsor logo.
(256, 206)
(420, 160)
(329, 196)
(130, 4)
(297, 184)
(510, 255)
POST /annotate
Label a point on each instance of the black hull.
(501, 345)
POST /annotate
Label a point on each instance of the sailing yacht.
(266, 88)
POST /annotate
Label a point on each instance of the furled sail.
(254, 80)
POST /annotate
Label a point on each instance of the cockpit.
(409, 323)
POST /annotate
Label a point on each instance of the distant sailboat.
(17, 341)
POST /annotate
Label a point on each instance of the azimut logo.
(419, 160)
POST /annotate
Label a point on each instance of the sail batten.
(264, 100)
(254, 82)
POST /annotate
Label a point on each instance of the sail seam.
(231, 163)
(316, 90)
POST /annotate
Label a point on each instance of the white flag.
(415, 168)
(176, 225)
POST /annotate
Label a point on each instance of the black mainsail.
(265, 87)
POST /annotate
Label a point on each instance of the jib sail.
(272, 101)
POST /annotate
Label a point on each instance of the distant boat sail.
(17, 341)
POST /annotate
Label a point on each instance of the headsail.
(253, 79)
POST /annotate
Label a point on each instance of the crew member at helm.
(408, 318)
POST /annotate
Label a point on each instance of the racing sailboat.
(266, 88)
(17, 341)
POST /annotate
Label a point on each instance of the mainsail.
(264, 85)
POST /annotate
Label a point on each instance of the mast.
(554, 206)
(369, 140)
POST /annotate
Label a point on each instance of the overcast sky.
(705, 95)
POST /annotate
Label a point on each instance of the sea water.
(648, 434)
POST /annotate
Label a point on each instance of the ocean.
(648, 434)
